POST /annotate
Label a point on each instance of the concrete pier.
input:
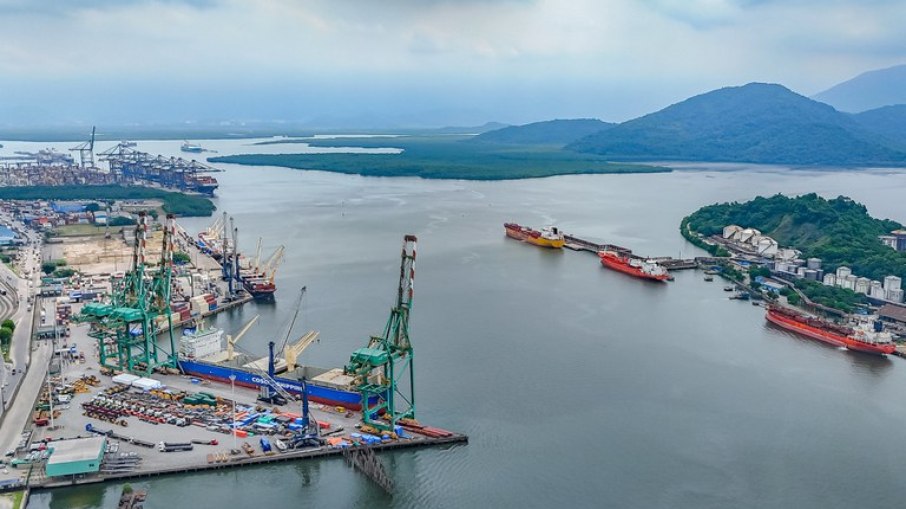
(579, 244)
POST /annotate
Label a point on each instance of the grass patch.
(173, 202)
(443, 157)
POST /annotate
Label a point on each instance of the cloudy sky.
(419, 62)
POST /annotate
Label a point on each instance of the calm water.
(579, 387)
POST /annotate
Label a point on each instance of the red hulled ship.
(637, 267)
(861, 338)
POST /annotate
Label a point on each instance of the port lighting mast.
(384, 369)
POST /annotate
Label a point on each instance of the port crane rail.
(381, 368)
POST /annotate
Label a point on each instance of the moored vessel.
(637, 267)
(191, 147)
(550, 236)
(862, 338)
(330, 386)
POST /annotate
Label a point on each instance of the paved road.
(16, 302)
(18, 414)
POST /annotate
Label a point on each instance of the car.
(10, 453)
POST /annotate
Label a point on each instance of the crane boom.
(292, 352)
(258, 257)
(384, 369)
(231, 341)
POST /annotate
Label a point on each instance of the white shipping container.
(125, 379)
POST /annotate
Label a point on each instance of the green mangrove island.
(442, 157)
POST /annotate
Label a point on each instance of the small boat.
(728, 288)
(709, 278)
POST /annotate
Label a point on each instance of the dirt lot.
(99, 255)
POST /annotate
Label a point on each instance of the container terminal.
(121, 164)
(123, 398)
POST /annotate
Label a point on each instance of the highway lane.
(16, 304)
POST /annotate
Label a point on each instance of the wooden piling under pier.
(364, 459)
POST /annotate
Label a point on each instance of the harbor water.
(578, 386)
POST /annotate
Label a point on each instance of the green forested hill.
(757, 123)
(889, 122)
(839, 231)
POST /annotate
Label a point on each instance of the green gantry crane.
(127, 328)
(384, 370)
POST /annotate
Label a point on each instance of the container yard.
(123, 401)
(121, 164)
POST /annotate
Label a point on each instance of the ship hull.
(858, 346)
(829, 337)
(632, 271)
(805, 330)
(318, 393)
(206, 188)
(260, 290)
(518, 234)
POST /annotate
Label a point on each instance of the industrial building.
(76, 456)
(892, 313)
(896, 240)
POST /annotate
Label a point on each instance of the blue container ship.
(201, 355)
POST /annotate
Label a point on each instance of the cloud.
(533, 57)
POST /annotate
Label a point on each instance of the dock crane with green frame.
(127, 328)
(384, 369)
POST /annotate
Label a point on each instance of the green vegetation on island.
(696, 239)
(551, 132)
(443, 157)
(839, 231)
(173, 202)
(836, 297)
(755, 123)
